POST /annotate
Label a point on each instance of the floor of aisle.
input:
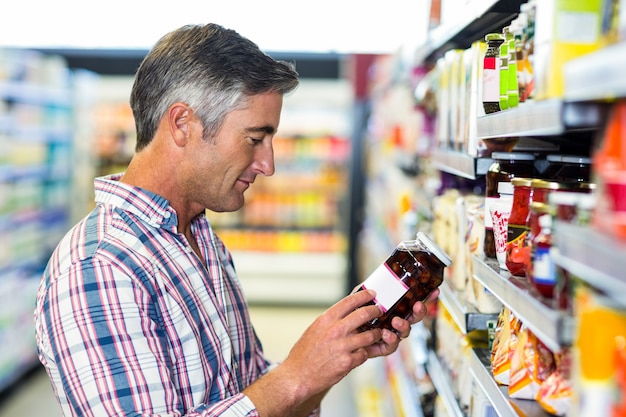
(278, 328)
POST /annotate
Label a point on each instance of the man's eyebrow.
(262, 129)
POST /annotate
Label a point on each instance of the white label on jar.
(491, 80)
(544, 271)
(389, 289)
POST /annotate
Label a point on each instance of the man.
(140, 312)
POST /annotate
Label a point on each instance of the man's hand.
(390, 340)
(326, 352)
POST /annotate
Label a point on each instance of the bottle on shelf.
(518, 227)
(506, 166)
(543, 267)
(491, 73)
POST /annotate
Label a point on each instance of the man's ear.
(180, 118)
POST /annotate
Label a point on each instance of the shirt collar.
(151, 208)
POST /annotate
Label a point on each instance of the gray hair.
(212, 69)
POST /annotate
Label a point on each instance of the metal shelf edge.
(454, 162)
(498, 395)
(605, 67)
(442, 385)
(540, 118)
(550, 326)
(596, 258)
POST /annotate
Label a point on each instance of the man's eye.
(255, 140)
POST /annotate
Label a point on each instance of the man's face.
(242, 149)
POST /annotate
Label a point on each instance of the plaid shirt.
(130, 322)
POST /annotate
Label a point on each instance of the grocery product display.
(36, 188)
(528, 321)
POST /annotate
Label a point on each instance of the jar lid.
(494, 37)
(542, 208)
(517, 156)
(537, 183)
(434, 248)
(521, 182)
(586, 186)
(573, 159)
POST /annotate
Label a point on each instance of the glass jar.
(517, 252)
(505, 167)
(541, 189)
(544, 277)
(537, 210)
(410, 274)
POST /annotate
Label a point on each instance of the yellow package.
(531, 364)
(504, 347)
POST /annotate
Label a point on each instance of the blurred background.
(392, 131)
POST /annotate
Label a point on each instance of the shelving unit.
(553, 327)
(596, 76)
(540, 118)
(594, 257)
(498, 395)
(592, 82)
(476, 18)
(443, 385)
(465, 317)
(36, 135)
(460, 164)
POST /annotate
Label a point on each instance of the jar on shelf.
(410, 274)
(537, 211)
(543, 267)
(505, 167)
(516, 251)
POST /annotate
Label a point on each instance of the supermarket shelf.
(604, 67)
(466, 319)
(552, 327)
(460, 164)
(443, 385)
(498, 395)
(35, 94)
(598, 259)
(539, 118)
(471, 23)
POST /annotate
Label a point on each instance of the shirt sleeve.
(99, 332)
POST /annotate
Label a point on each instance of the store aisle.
(278, 328)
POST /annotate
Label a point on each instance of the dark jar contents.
(505, 167)
(516, 251)
(410, 274)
